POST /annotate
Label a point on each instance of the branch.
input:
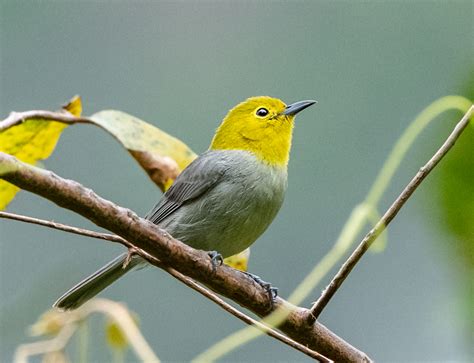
(62, 227)
(184, 279)
(144, 235)
(389, 215)
(17, 118)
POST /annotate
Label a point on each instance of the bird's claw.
(271, 291)
(216, 259)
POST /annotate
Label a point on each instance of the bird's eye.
(262, 112)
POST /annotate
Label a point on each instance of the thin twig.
(179, 276)
(62, 227)
(364, 245)
(17, 118)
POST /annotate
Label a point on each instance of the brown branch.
(146, 236)
(17, 118)
(389, 215)
(184, 279)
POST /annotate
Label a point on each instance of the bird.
(223, 200)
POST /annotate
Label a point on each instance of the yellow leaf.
(161, 155)
(114, 335)
(74, 106)
(32, 141)
(239, 261)
(50, 323)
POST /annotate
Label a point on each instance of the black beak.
(296, 107)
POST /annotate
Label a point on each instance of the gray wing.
(199, 177)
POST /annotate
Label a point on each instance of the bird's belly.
(231, 216)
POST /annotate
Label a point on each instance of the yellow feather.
(268, 137)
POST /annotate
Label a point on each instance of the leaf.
(239, 261)
(455, 192)
(161, 155)
(114, 334)
(32, 141)
(50, 323)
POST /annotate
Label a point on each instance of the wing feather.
(197, 179)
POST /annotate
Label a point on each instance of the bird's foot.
(271, 291)
(216, 259)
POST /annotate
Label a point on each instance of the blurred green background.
(371, 65)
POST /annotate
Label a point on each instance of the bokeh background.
(371, 65)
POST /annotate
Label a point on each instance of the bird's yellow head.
(262, 125)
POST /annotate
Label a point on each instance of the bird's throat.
(270, 145)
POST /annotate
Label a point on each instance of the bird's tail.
(95, 283)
